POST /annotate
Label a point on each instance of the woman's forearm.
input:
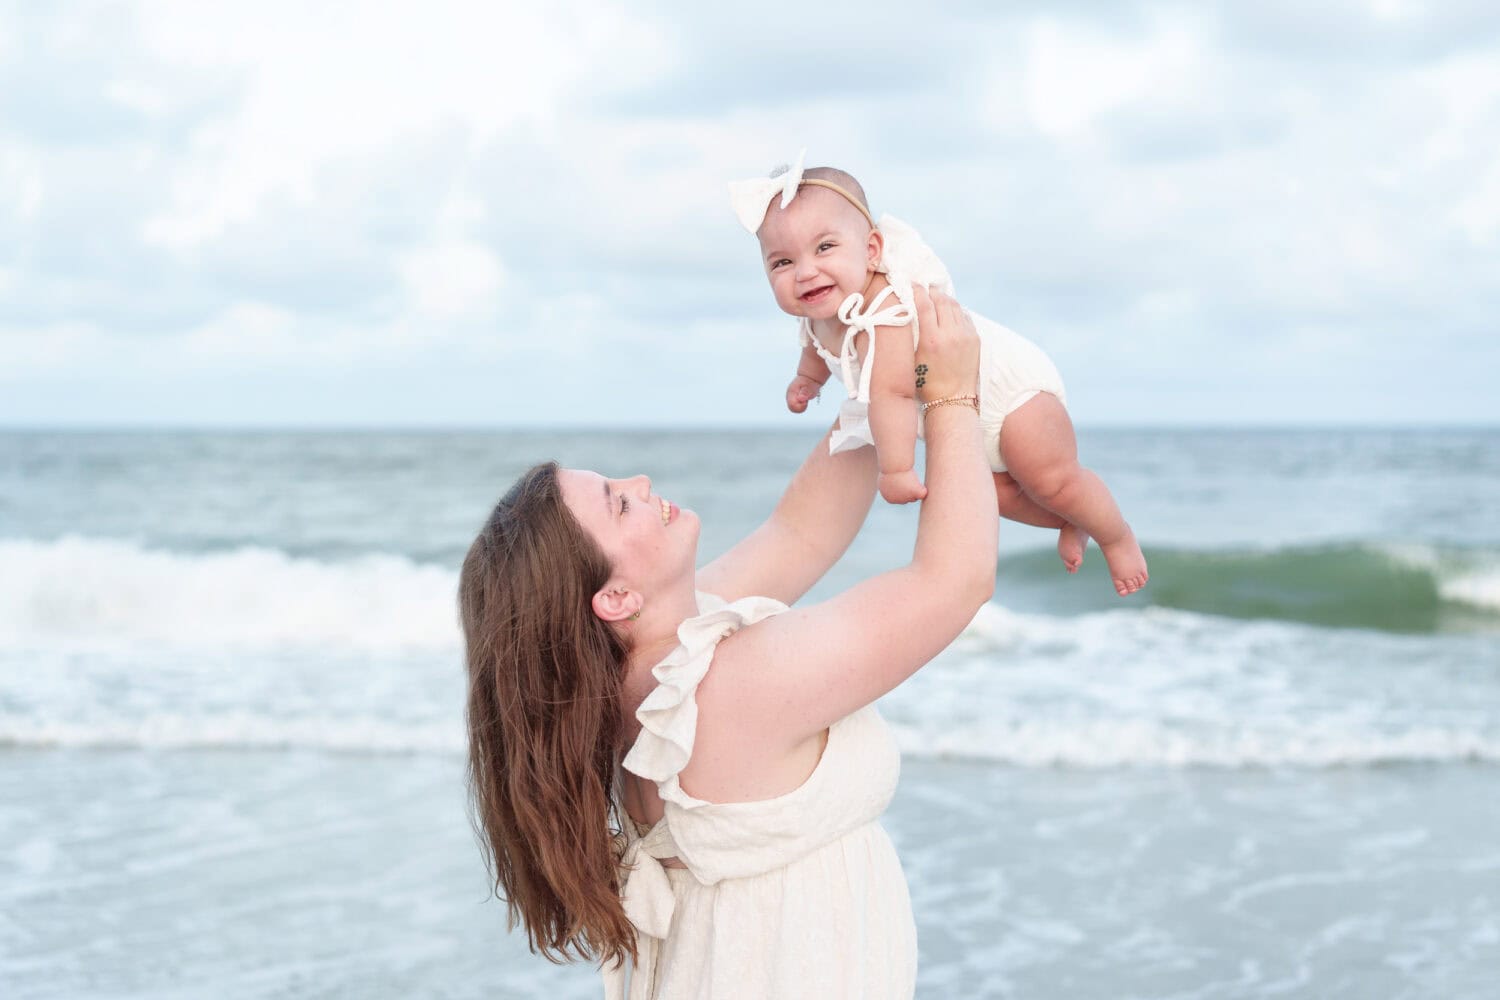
(813, 523)
(957, 531)
(827, 500)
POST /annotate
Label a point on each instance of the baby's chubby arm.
(811, 374)
(893, 414)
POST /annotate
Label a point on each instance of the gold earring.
(635, 616)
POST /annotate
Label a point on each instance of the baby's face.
(817, 252)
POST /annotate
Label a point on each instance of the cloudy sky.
(437, 214)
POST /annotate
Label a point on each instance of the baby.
(849, 280)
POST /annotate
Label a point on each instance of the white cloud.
(324, 84)
(247, 331)
(1074, 74)
(21, 184)
(1463, 98)
(1394, 10)
(136, 95)
(48, 348)
(1211, 194)
(452, 280)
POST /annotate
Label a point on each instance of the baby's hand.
(802, 391)
(901, 487)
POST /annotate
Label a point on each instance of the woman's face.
(648, 540)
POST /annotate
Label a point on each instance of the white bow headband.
(752, 199)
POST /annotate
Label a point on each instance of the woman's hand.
(948, 350)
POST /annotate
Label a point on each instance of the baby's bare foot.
(1127, 565)
(1071, 543)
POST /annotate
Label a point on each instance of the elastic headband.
(819, 182)
(751, 199)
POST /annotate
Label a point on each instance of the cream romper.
(1011, 368)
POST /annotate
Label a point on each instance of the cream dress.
(797, 896)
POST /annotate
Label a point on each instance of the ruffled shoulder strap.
(907, 259)
(669, 715)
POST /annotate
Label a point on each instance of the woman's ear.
(874, 248)
(615, 603)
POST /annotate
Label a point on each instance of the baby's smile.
(817, 294)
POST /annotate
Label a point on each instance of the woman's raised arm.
(810, 529)
(809, 667)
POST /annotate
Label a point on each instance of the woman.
(748, 860)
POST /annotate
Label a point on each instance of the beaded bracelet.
(963, 400)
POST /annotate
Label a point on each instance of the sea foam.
(1093, 744)
(113, 644)
(1479, 589)
(1080, 744)
(97, 589)
(237, 731)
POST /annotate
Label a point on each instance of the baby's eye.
(825, 246)
(624, 503)
(778, 263)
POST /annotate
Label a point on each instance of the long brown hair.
(545, 726)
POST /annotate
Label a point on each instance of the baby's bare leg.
(1015, 505)
(1041, 451)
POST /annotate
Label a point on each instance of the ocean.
(231, 718)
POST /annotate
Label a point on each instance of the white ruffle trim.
(907, 260)
(669, 714)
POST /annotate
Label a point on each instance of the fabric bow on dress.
(859, 319)
(649, 902)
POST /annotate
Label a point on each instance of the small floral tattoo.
(921, 376)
